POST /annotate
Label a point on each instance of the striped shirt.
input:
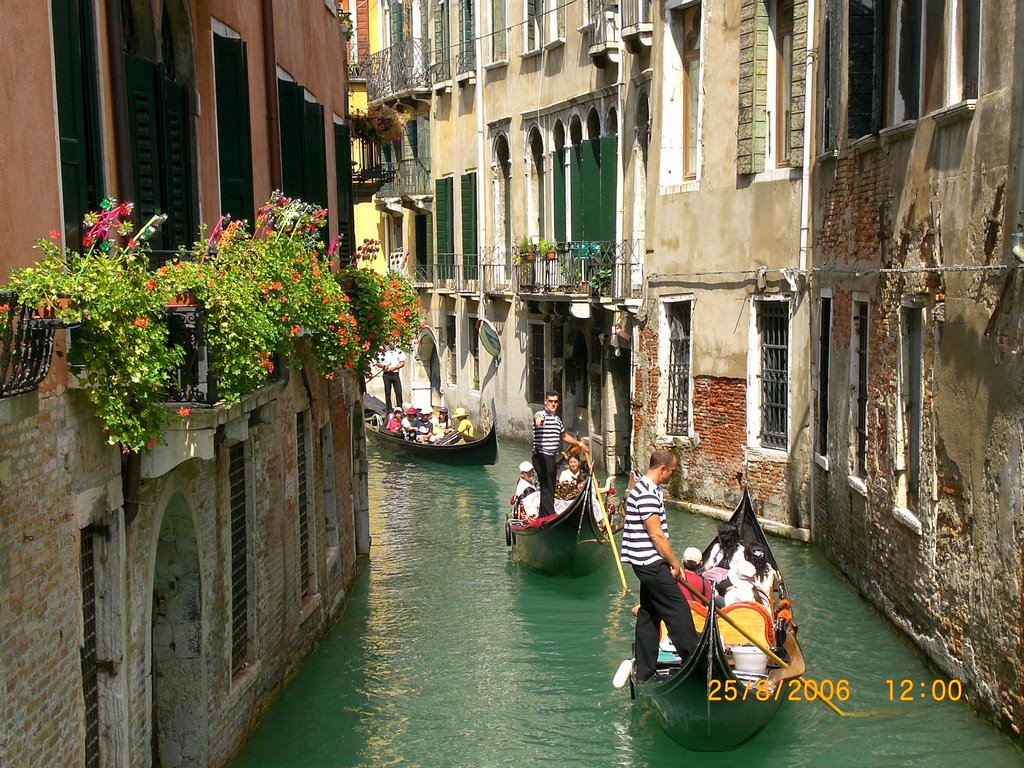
(643, 501)
(547, 438)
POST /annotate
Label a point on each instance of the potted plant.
(526, 250)
(549, 248)
(380, 124)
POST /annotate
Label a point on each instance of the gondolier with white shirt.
(391, 361)
(645, 546)
(548, 434)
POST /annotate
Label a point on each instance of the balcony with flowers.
(214, 325)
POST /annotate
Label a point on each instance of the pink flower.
(54, 234)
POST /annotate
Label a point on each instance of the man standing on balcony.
(391, 361)
(548, 434)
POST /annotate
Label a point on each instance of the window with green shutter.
(234, 148)
(442, 56)
(343, 181)
(558, 191)
(591, 190)
(609, 161)
(468, 209)
(499, 42)
(303, 144)
(444, 190)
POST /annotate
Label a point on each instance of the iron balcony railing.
(635, 13)
(367, 166)
(601, 269)
(358, 60)
(466, 60)
(26, 347)
(604, 27)
(410, 176)
(401, 69)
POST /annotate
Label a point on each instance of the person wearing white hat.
(526, 492)
(738, 586)
(692, 562)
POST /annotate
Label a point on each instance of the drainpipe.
(122, 148)
(1017, 237)
(270, 86)
(480, 196)
(805, 222)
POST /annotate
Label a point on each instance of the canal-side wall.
(916, 481)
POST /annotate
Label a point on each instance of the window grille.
(239, 558)
(678, 417)
(774, 328)
(860, 324)
(300, 461)
(824, 359)
(90, 682)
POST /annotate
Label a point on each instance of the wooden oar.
(760, 646)
(607, 523)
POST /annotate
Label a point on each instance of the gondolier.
(391, 361)
(548, 434)
(645, 546)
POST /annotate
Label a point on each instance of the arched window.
(503, 197)
(559, 197)
(535, 221)
(691, 89)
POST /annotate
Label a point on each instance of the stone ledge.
(19, 407)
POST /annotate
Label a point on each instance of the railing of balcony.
(601, 269)
(358, 60)
(441, 69)
(635, 13)
(367, 166)
(399, 69)
(604, 24)
(465, 61)
(497, 270)
(410, 176)
(26, 347)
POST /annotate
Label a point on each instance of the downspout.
(805, 226)
(480, 196)
(270, 86)
(122, 148)
(1017, 236)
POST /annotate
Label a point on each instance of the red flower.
(296, 330)
(54, 234)
(151, 443)
(150, 285)
(141, 322)
(184, 412)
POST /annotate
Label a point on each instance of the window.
(331, 538)
(824, 361)
(499, 39)
(239, 557)
(773, 329)
(864, 68)
(911, 380)
(302, 483)
(234, 152)
(859, 388)
(782, 37)
(677, 318)
(691, 88)
(470, 268)
(343, 181)
(968, 26)
(89, 654)
(474, 353)
(442, 43)
(929, 72)
(467, 38)
(534, 24)
(536, 202)
(444, 221)
(303, 150)
(451, 349)
(535, 373)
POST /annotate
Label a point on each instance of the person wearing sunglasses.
(548, 434)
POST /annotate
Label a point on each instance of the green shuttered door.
(234, 147)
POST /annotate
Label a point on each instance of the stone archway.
(178, 669)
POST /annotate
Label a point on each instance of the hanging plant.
(381, 124)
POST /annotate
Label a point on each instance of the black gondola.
(466, 452)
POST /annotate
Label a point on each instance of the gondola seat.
(753, 618)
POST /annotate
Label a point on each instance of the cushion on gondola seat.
(753, 618)
(697, 611)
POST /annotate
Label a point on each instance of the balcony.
(497, 271)
(465, 65)
(637, 28)
(26, 347)
(358, 62)
(402, 71)
(603, 35)
(601, 270)
(410, 183)
(369, 172)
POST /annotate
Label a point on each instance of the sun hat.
(410, 411)
(461, 412)
(692, 555)
(526, 467)
(442, 409)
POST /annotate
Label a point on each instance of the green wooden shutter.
(429, 255)
(558, 190)
(440, 40)
(343, 180)
(591, 191)
(442, 205)
(468, 210)
(234, 148)
(864, 66)
(609, 183)
(799, 98)
(290, 107)
(576, 193)
(397, 35)
(176, 129)
(81, 170)
(753, 87)
(144, 137)
(314, 154)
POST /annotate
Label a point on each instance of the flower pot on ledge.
(184, 299)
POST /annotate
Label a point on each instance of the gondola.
(706, 705)
(471, 452)
(570, 543)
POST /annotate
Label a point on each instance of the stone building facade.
(917, 425)
(152, 605)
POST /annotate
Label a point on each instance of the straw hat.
(460, 413)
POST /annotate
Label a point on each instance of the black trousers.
(660, 600)
(392, 382)
(544, 465)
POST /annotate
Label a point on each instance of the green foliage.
(386, 309)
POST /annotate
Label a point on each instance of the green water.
(448, 654)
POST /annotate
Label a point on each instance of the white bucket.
(750, 659)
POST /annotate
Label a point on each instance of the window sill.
(898, 132)
(907, 518)
(531, 54)
(827, 155)
(466, 78)
(821, 461)
(558, 42)
(496, 64)
(245, 677)
(768, 454)
(691, 185)
(858, 484)
(442, 86)
(864, 144)
(776, 174)
(691, 440)
(955, 113)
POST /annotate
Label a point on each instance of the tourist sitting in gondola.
(526, 501)
(764, 575)
(737, 586)
(691, 573)
(394, 421)
(725, 554)
(462, 423)
(409, 426)
(574, 473)
(443, 423)
(424, 424)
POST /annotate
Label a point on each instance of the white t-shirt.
(391, 358)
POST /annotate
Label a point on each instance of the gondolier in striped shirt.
(645, 546)
(548, 434)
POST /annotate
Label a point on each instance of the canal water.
(449, 654)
